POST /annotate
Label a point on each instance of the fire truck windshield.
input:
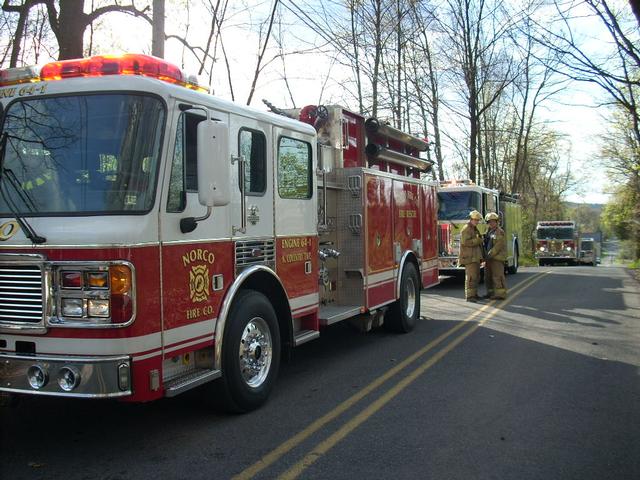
(457, 205)
(561, 233)
(94, 153)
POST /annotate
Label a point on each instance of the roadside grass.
(527, 261)
(634, 268)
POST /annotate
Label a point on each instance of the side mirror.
(214, 163)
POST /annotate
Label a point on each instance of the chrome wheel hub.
(255, 352)
(410, 294)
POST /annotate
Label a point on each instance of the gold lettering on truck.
(407, 214)
(8, 230)
(295, 243)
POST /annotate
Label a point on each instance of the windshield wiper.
(6, 174)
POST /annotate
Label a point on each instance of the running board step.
(333, 314)
(305, 336)
(192, 380)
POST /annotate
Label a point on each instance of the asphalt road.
(545, 385)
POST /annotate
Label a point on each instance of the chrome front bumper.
(449, 265)
(98, 377)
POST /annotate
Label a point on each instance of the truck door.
(197, 265)
(251, 206)
(296, 217)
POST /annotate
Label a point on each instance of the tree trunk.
(157, 40)
(72, 23)
(473, 135)
(356, 53)
(398, 107)
(377, 57)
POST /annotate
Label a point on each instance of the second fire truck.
(154, 238)
(556, 242)
(456, 198)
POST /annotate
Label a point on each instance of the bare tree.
(264, 42)
(69, 22)
(616, 73)
(425, 81)
(534, 85)
(23, 11)
(476, 32)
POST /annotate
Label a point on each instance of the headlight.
(93, 294)
(98, 308)
(72, 307)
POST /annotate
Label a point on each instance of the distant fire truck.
(590, 248)
(556, 242)
(154, 238)
(456, 198)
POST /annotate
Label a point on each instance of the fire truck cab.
(590, 248)
(154, 238)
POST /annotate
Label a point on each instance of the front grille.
(255, 252)
(21, 293)
(556, 247)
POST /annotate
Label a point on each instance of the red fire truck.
(154, 238)
(556, 242)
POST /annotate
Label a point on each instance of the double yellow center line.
(323, 447)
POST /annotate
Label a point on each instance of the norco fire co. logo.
(199, 283)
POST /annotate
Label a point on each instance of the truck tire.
(404, 312)
(250, 353)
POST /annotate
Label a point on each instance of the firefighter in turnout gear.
(471, 255)
(496, 251)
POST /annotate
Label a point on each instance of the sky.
(315, 79)
(582, 121)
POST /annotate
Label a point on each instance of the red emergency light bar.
(102, 65)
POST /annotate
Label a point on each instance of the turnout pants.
(471, 279)
(494, 279)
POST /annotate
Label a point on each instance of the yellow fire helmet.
(492, 216)
(475, 215)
